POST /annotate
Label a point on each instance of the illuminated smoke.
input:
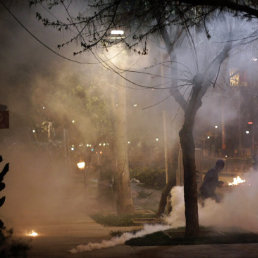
(238, 209)
(148, 229)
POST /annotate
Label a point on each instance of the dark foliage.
(206, 236)
(150, 178)
(8, 246)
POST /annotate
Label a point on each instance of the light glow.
(117, 32)
(81, 165)
(236, 181)
(234, 78)
(32, 233)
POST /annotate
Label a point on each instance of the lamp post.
(81, 166)
(124, 203)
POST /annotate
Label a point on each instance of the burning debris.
(32, 233)
(236, 181)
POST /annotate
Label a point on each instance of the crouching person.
(211, 182)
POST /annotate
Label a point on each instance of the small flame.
(237, 180)
(32, 233)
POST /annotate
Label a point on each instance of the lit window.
(238, 78)
(234, 78)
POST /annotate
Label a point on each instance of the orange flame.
(236, 181)
(32, 233)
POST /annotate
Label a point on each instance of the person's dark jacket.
(210, 182)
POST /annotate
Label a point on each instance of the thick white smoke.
(148, 229)
(238, 209)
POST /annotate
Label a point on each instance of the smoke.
(148, 229)
(237, 210)
(40, 185)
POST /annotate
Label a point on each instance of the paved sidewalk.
(58, 239)
(58, 248)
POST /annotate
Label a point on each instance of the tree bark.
(172, 167)
(190, 185)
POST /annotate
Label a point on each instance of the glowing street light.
(81, 165)
(216, 126)
(117, 32)
(247, 132)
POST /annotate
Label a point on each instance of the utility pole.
(122, 186)
(165, 143)
(124, 203)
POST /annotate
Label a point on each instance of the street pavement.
(58, 236)
(58, 248)
(55, 241)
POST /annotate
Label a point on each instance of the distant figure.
(211, 181)
(255, 161)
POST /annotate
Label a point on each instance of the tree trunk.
(190, 185)
(188, 152)
(122, 187)
(172, 167)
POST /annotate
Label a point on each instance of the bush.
(8, 246)
(151, 178)
(113, 220)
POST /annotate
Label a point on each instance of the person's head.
(219, 164)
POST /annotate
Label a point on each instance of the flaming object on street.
(32, 233)
(236, 181)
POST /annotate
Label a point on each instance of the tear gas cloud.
(38, 86)
(148, 229)
(39, 185)
(237, 210)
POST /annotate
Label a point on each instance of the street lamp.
(81, 166)
(117, 34)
